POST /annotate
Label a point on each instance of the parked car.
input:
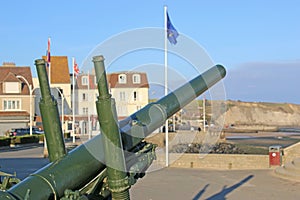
(17, 132)
(25, 131)
(36, 130)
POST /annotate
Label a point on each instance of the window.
(134, 96)
(60, 93)
(85, 111)
(136, 78)
(122, 78)
(12, 87)
(122, 96)
(84, 97)
(11, 105)
(84, 80)
(122, 110)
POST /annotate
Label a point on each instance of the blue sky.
(242, 35)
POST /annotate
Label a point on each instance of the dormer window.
(122, 78)
(136, 78)
(12, 87)
(84, 80)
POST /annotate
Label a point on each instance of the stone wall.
(291, 152)
(217, 161)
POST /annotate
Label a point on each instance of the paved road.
(197, 184)
(172, 183)
(22, 160)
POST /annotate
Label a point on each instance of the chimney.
(9, 64)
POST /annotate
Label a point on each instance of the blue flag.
(172, 33)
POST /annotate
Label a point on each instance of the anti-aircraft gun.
(107, 165)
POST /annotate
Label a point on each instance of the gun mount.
(7, 180)
(108, 164)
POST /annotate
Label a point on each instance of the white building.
(85, 97)
(129, 89)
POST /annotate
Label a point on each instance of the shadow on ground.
(222, 194)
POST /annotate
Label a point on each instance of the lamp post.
(62, 108)
(30, 101)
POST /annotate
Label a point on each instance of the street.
(22, 160)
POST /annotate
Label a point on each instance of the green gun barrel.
(155, 114)
(112, 141)
(50, 116)
(85, 162)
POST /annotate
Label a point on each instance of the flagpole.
(49, 67)
(73, 100)
(88, 96)
(204, 118)
(166, 84)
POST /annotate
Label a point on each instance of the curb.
(20, 146)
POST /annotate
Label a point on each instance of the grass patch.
(250, 149)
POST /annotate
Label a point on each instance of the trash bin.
(275, 155)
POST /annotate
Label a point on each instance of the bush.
(41, 137)
(29, 139)
(26, 139)
(5, 141)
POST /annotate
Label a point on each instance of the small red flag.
(76, 69)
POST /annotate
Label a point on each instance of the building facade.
(86, 94)
(16, 97)
(129, 89)
(20, 96)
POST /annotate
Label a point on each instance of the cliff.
(261, 114)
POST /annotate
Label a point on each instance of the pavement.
(176, 183)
